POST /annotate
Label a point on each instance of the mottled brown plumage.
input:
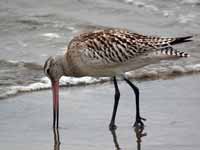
(115, 51)
(120, 45)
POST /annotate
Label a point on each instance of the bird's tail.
(170, 51)
(179, 40)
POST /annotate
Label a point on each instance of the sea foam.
(51, 35)
(147, 73)
(45, 83)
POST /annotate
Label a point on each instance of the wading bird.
(109, 52)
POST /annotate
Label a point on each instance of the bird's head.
(54, 70)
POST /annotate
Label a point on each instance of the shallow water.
(171, 113)
(30, 31)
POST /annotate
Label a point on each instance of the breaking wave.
(147, 73)
(46, 84)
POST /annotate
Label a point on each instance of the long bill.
(55, 90)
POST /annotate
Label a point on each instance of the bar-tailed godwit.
(109, 52)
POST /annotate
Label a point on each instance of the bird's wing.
(115, 46)
(162, 41)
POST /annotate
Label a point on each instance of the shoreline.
(44, 84)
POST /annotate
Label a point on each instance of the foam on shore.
(147, 73)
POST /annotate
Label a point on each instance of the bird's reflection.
(56, 139)
(138, 132)
(115, 139)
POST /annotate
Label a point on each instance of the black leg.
(117, 96)
(114, 135)
(139, 119)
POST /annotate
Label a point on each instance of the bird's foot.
(138, 123)
(112, 126)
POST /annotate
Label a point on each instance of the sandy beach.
(171, 108)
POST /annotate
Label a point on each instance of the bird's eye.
(48, 71)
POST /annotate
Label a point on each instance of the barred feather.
(173, 52)
(119, 45)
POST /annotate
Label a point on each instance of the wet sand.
(171, 108)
